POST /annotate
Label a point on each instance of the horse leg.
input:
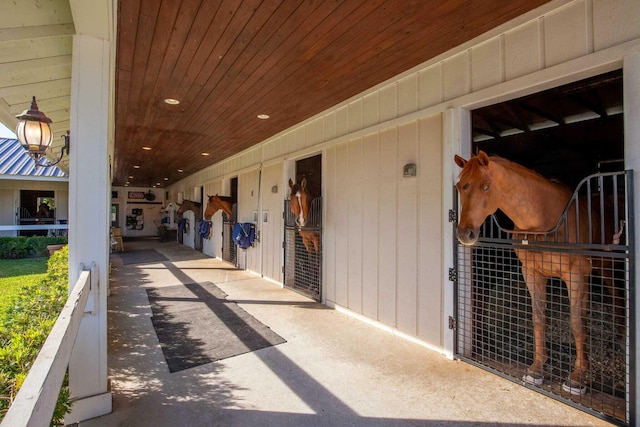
(579, 298)
(537, 286)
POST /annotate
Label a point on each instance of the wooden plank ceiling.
(229, 61)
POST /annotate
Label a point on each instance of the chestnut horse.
(300, 205)
(216, 203)
(534, 204)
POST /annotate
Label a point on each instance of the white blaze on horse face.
(300, 220)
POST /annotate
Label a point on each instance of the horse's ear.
(290, 184)
(483, 158)
(303, 184)
(459, 161)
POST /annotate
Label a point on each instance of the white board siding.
(213, 246)
(370, 266)
(271, 232)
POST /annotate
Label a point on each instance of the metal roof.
(16, 162)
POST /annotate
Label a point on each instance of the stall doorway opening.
(303, 244)
(572, 134)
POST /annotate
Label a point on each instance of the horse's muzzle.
(467, 236)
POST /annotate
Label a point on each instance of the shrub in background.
(24, 327)
(21, 247)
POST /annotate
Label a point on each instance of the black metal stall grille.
(229, 248)
(302, 267)
(494, 316)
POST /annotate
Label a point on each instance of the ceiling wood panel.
(228, 61)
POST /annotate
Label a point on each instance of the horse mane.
(523, 170)
(223, 198)
(474, 164)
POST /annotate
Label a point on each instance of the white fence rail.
(35, 402)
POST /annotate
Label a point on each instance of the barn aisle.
(332, 369)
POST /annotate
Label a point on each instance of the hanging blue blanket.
(182, 224)
(204, 228)
(244, 234)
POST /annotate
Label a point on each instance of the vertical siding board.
(407, 233)
(329, 230)
(370, 109)
(353, 191)
(330, 125)
(271, 231)
(430, 86)
(342, 120)
(569, 25)
(430, 230)
(408, 95)
(486, 64)
(456, 80)
(387, 227)
(355, 115)
(341, 225)
(522, 50)
(370, 226)
(388, 102)
(615, 22)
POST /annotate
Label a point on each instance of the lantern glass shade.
(35, 136)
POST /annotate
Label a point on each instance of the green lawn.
(16, 273)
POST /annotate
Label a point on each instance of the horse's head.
(476, 196)
(213, 205)
(300, 201)
(216, 203)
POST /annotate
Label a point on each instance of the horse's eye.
(486, 187)
(465, 186)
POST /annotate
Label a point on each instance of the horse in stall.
(300, 204)
(535, 205)
(216, 203)
(188, 205)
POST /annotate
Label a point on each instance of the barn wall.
(387, 244)
(213, 246)
(271, 231)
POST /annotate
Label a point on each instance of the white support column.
(89, 197)
(631, 96)
(452, 128)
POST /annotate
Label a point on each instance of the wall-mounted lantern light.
(34, 134)
(409, 170)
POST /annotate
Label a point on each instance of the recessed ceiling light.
(263, 116)
(130, 176)
(204, 154)
(157, 183)
(166, 179)
(180, 170)
(172, 101)
(136, 166)
(146, 148)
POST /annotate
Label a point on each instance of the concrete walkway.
(333, 370)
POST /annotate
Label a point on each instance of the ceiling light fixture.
(136, 166)
(34, 134)
(263, 116)
(204, 154)
(146, 148)
(171, 101)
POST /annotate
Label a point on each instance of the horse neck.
(532, 202)
(226, 208)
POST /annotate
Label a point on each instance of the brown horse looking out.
(534, 204)
(216, 203)
(300, 204)
(188, 205)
